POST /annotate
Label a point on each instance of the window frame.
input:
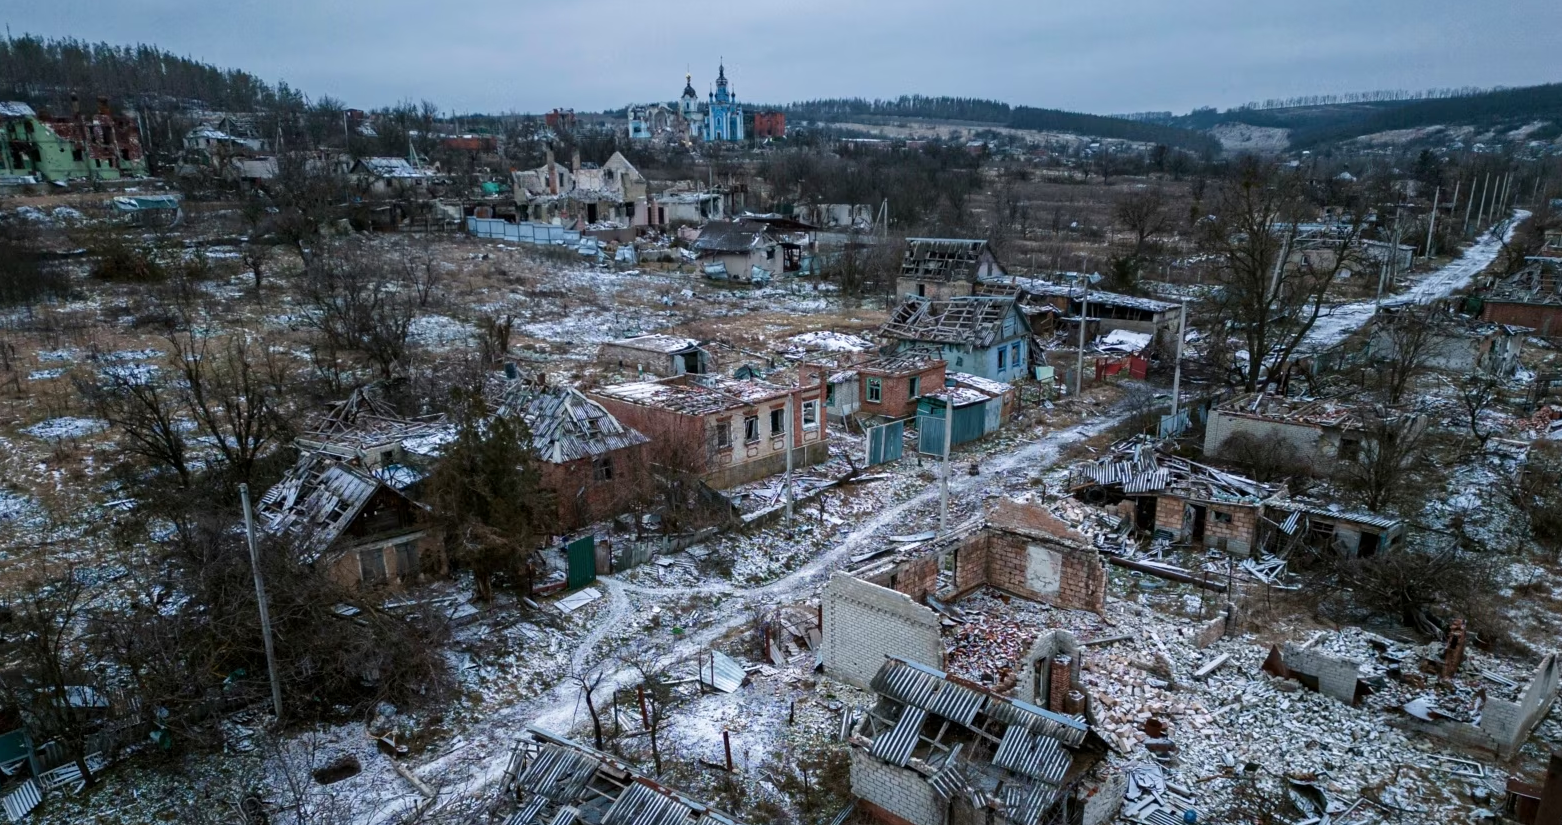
(810, 415)
(724, 434)
(913, 387)
(602, 469)
(751, 429)
(778, 422)
(875, 390)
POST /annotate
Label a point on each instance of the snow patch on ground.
(57, 429)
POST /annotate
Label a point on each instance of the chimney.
(103, 105)
(75, 105)
(574, 163)
(553, 174)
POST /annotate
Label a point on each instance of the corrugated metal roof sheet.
(641, 804)
(896, 744)
(1032, 754)
(721, 672)
(566, 425)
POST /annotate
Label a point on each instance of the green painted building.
(93, 147)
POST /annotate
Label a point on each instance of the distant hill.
(45, 72)
(1335, 119)
(976, 111)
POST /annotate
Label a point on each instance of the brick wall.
(896, 398)
(1070, 578)
(1544, 319)
(900, 792)
(917, 578)
(583, 498)
(864, 622)
(1336, 676)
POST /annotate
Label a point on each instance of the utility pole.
(949, 438)
(1468, 206)
(789, 447)
(1431, 224)
(1480, 218)
(1084, 313)
(1182, 333)
(260, 597)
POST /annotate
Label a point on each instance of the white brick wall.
(1222, 426)
(1336, 677)
(901, 791)
(864, 622)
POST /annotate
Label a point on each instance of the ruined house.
(662, 355)
(1458, 344)
(886, 387)
(1177, 499)
(1023, 549)
(345, 521)
(39, 147)
(367, 433)
(730, 430)
(1531, 298)
(984, 336)
(1318, 431)
(555, 780)
(580, 193)
(393, 177)
(753, 248)
(595, 466)
(940, 268)
(937, 750)
(1106, 312)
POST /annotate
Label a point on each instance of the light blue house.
(984, 336)
(724, 118)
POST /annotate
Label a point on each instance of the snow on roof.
(826, 341)
(15, 108)
(963, 396)
(711, 394)
(394, 168)
(976, 382)
(911, 361)
(977, 321)
(1122, 340)
(566, 425)
(1036, 286)
(667, 344)
(316, 501)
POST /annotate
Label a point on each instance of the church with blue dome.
(724, 116)
(719, 118)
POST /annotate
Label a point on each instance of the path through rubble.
(463, 775)
(1337, 323)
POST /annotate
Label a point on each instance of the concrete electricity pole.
(1432, 223)
(788, 438)
(1182, 333)
(949, 438)
(260, 596)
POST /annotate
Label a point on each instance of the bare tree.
(654, 694)
(236, 392)
(1145, 213)
(356, 309)
(421, 268)
(493, 339)
(1476, 394)
(1406, 338)
(589, 680)
(56, 687)
(146, 412)
(1272, 300)
(1390, 450)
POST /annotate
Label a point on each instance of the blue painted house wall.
(986, 362)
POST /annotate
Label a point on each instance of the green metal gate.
(582, 555)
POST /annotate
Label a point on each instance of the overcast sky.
(1124, 56)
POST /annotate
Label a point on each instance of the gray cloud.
(1131, 55)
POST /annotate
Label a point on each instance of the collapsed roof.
(974, 321)
(565, 425)
(1138, 467)
(996, 752)
(944, 259)
(316, 502)
(560, 782)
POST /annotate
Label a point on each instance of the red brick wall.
(1001, 559)
(659, 424)
(895, 401)
(917, 578)
(769, 124)
(1547, 320)
(582, 499)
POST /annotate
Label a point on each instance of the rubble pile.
(989, 646)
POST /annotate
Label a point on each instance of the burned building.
(753, 248)
(1531, 298)
(1455, 343)
(1106, 312)
(40, 147)
(936, 750)
(1021, 548)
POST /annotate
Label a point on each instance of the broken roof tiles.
(665, 344)
(975, 321)
(565, 425)
(316, 501)
(696, 395)
(1138, 467)
(559, 781)
(943, 259)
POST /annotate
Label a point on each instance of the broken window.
(750, 428)
(875, 390)
(407, 562)
(723, 434)
(914, 386)
(1222, 518)
(602, 468)
(1003, 358)
(829, 395)
(777, 421)
(371, 565)
(810, 415)
(1350, 449)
